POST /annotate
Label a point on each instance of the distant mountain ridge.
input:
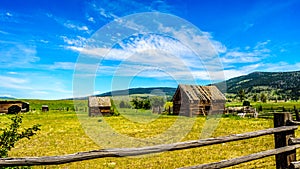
(7, 98)
(274, 84)
(286, 84)
(166, 90)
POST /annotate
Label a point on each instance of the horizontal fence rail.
(243, 159)
(295, 164)
(122, 152)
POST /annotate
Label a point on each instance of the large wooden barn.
(6, 105)
(191, 100)
(99, 105)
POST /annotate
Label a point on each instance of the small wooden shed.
(99, 105)
(45, 108)
(5, 105)
(190, 100)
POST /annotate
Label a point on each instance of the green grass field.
(62, 133)
(270, 106)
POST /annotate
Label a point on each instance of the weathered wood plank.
(297, 114)
(121, 152)
(243, 159)
(283, 160)
(295, 164)
(292, 122)
(293, 141)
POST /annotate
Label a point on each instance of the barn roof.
(99, 101)
(197, 93)
(11, 101)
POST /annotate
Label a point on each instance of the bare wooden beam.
(295, 164)
(292, 122)
(293, 141)
(122, 152)
(243, 159)
(283, 160)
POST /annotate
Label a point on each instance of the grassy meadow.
(61, 133)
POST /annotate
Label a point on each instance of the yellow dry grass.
(61, 133)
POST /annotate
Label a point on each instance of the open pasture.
(61, 133)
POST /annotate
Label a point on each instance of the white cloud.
(63, 65)
(69, 24)
(97, 92)
(248, 55)
(17, 55)
(7, 95)
(154, 51)
(3, 32)
(105, 14)
(8, 14)
(280, 66)
(78, 41)
(44, 41)
(76, 27)
(177, 50)
(91, 19)
(12, 73)
(13, 82)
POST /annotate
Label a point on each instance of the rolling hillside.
(280, 84)
(169, 91)
(276, 85)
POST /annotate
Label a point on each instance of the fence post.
(283, 160)
(297, 115)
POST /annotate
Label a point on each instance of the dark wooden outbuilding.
(5, 106)
(190, 100)
(45, 108)
(99, 106)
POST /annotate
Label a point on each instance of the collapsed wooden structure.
(6, 105)
(191, 100)
(244, 111)
(99, 106)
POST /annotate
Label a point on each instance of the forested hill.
(168, 91)
(275, 84)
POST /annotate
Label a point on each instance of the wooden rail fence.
(285, 149)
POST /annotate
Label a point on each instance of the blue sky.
(41, 41)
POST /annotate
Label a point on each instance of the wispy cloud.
(76, 27)
(77, 41)
(73, 25)
(35, 85)
(8, 14)
(280, 66)
(4, 32)
(13, 82)
(91, 19)
(63, 65)
(17, 55)
(109, 10)
(247, 55)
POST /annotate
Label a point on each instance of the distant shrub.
(168, 107)
(283, 109)
(263, 97)
(246, 103)
(142, 103)
(113, 109)
(12, 134)
(122, 104)
(260, 108)
(231, 116)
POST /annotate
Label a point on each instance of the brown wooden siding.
(191, 100)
